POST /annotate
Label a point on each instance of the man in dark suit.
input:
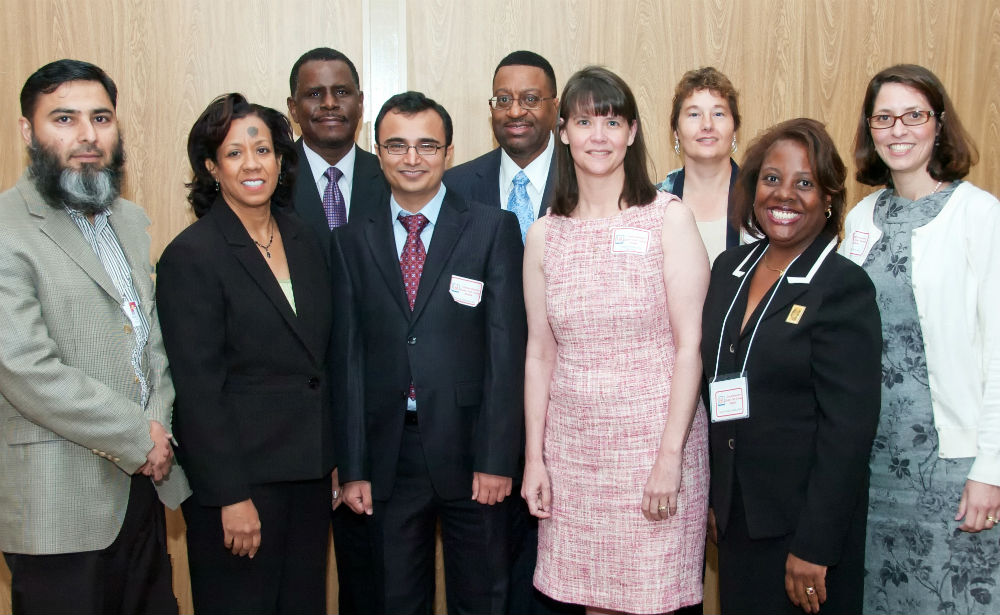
(518, 175)
(430, 335)
(326, 102)
(524, 109)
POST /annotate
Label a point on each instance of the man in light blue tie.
(518, 175)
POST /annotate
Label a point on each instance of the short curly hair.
(705, 78)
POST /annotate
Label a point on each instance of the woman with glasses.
(705, 117)
(616, 455)
(928, 240)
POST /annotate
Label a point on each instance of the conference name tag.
(131, 309)
(628, 240)
(859, 241)
(466, 291)
(728, 398)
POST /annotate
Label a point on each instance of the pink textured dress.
(608, 405)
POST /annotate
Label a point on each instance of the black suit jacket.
(479, 180)
(466, 363)
(368, 188)
(253, 403)
(801, 458)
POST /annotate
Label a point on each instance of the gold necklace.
(780, 271)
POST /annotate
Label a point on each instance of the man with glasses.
(430, 337)
(336, 179)
(519, 175)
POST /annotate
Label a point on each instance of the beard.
(89, 190)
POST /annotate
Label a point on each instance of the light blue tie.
(520, 205)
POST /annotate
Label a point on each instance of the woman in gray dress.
(928, 242)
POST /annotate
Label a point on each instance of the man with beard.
(85, 394)
(336, 182)
(519, 176)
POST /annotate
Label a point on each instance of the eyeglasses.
(400, 149)
(530, 101)
(880, 121)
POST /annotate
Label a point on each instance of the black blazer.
(801, 458)
(368, 188)
(466, 363)
(479, 180)
(253, 403)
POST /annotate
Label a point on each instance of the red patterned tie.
(411, 261)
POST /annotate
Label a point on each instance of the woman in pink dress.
(616, 452)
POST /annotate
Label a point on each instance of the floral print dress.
(916, 561)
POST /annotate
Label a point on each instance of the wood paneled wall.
(788, 58)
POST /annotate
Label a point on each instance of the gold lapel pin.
(795, 314)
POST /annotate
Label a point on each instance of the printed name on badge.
(628, 240)
(466, 291)
(859, 241)
(728, 399)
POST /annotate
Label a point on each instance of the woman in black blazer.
(244, 301)
(791, 348)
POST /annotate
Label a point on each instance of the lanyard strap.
(774, 291)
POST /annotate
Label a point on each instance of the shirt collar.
(318, 165)
(100, 218)
(537, 170)
(430, 210)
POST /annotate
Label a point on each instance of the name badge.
(628, 240)
(466, 291)
(728, 398)
(131, 309)
(859, 241)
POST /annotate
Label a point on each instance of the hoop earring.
(734, 146)
(829, 212)
(677, 145)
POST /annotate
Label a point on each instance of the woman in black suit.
(791, 348)
(244, 301)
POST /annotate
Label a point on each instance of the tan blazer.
(72, 430)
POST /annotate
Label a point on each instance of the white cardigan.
(956, 283)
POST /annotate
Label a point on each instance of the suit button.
(314, 383)
(94, 451)
(128, 328)
(732, 444)
(116, 459)
(412, 340)
(732, 349)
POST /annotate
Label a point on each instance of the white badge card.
(131, 309)
(627, 240)
(466, 291)
(859, 241)
(728, 397)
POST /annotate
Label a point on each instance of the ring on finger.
(991, 518)
(661, 508)
(810, 591)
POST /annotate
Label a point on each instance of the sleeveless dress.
(915, 560)
(607, 410)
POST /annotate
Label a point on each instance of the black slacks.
(475, 537)
(131, 575)
(357, 575)
(288, 574)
